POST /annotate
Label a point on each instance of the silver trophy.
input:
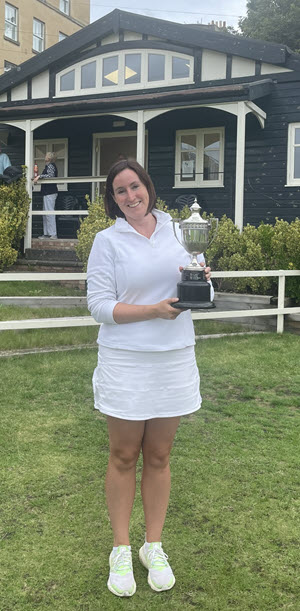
(194, 291)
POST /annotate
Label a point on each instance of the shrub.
(235, 251)
(262, 248)
(14, 206)
(97, 220)
(256, 248)
(285, 244)
(94, 222)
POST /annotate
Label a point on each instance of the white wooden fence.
(81, 321)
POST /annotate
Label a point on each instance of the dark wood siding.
(162, 134)
(266, 196)
(79, 133)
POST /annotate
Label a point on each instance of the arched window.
(127, 69)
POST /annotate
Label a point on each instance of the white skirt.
(134, 385)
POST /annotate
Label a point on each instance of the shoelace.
(158, 558)
(122, 561)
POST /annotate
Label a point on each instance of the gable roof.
(187, 35)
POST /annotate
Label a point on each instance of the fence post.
(280, 304)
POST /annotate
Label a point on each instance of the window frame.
(64, 3)
(14, 25)
(121, 85)
(199, 181)
(48, 142)
(10, 67)
(61, 36)
(290, 180)
(36, 36)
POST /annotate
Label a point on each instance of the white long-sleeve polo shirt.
(126, 267)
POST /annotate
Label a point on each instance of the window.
(59, 146)
(67, 81)
(180, 67)
(8, 66)
(61, 36)
(199, 158)
(293, 155)
(11, 22)
(134, 69)
(110, 74)
(38, 41)
(88, 75)
(64, 6)
(156, 67)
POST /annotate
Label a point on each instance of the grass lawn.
(232, 529)
(72, 336)
(35, 288)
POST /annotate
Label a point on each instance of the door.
(109, 148)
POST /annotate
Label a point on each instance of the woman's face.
(131, 195)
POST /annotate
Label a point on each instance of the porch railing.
(94, 180)
(80, 321)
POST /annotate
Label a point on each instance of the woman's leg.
(125, 439)
(49, 220)
(156, 479)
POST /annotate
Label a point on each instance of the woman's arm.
(124, 312)
(102, 296)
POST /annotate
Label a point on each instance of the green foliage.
(273, 20)
(286, 253)
(97, 220)
(182, 214)
(94, 222)
(14, 206)
(256, 248)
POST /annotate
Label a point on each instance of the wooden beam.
(240, 165)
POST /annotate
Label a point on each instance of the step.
(59, 244)
(52, 265)
(48, 254)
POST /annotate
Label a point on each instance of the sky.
(221, 10)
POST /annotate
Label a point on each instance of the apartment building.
(29, 27)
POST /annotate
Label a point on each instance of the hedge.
(14, 206)
(264, 247)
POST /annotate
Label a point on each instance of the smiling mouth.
(134, 205)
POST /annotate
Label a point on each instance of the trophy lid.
(195, 216)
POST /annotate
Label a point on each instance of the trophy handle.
(174, 221)
(215, 230)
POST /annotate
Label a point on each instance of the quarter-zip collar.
(162, 218)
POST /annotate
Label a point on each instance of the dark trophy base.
(193, 291)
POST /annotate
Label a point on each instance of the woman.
(146, 376)
(49, 193)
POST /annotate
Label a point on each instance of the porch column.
(29, 174)
(140, 143)
(240, 165)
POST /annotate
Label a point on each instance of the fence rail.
(79, 321)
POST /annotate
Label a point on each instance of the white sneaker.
(43, 237)
(160, 575)
(53, 237)
(121, 580)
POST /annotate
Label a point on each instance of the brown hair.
(111, 208)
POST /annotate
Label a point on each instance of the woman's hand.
(164, 309)
(207, 271)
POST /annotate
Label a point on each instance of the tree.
(274, 21)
